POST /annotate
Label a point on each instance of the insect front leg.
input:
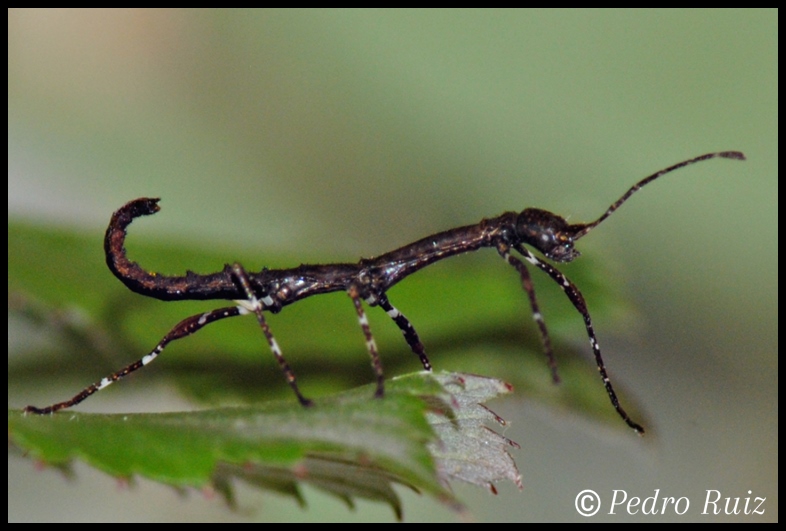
(577, 299)
(526, 281)
(256, 306)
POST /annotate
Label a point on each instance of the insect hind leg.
(184, 328)
(253, 305)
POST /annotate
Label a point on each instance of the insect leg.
(577, 299)
(255, 306)
(184, 328)
(371, 345)
(526, 282)
(407, 329)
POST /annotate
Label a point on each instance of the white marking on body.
(203, 318)
(371, 345)
(274, 347)
(250, 305)
(393, 313)
(150, 357)
(532, 260)
(538, 316)
(363, 319)
(371, 299)
(268, 300)
(104, 383)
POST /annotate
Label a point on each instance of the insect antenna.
(583, 228)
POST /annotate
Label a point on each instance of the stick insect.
(367, 280)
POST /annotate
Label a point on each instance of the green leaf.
(467, 449)
(347, 444)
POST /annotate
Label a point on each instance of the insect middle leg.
(255, 306)
(410, 335)
(371, 345)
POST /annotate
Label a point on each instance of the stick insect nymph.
(367, 280)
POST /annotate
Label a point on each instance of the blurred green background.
(346, 133)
